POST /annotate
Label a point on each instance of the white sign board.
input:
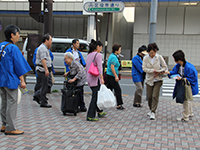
(103, 7)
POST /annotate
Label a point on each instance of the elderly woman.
(154, 65)
(138, 75)
(112, 73)
(76, 70)
(188, 71)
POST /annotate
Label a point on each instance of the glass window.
(62, 47)
(83, 47)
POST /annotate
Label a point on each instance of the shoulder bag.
(93, 70)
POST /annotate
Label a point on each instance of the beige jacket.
(149, 68)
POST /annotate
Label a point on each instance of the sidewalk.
(128, 129)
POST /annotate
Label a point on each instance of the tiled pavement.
(128, 129)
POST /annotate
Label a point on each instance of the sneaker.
(182, 119)
(102, 114)
(16, 132)
(149, 114)
(92, 119)
(152, 117)
(191, 115)
(3, 128)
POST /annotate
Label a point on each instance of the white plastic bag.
(19, 96)
(106, 98)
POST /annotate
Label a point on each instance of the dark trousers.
(41, 93)
(93, 104)
(81, 102)
(112, 84)
(38, 84)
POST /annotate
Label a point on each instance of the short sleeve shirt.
(12, 66)
(76, 55)
(42, 53)
(113, 60)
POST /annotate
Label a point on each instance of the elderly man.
(76, 70)
(43, 68)
(12, 68)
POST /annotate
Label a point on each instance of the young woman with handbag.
(94, 78)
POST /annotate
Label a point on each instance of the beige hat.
(144, 52)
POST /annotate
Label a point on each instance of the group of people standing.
(146, 65)
(74, 66)
(150, 66)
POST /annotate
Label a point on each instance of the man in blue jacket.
(12, 68)
(77, 54)
(188, 71)
(138, 75)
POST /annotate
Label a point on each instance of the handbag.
(106, 98)
(93, 70)
(180, 93)
(188, 90)
(70, 86)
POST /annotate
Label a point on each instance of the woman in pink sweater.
(94, 81)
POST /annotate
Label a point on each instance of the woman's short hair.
(179, 55)
(10, 29)
(115, 47)
(69, 55)
(152, 46)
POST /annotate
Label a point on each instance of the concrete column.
(153, 20)
(91, 29)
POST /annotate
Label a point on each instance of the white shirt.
(182, 71)
(76, 55)
(153, 59)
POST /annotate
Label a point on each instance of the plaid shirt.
(77, 69)
(42, 53)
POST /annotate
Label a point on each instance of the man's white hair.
(69, 55)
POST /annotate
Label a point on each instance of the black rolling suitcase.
(70, 98)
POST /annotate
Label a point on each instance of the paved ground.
(128, 129)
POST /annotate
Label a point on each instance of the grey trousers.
(138, 92)
(9, 107)
(153, 95)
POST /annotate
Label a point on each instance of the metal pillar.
(106, 42)
(153, 20)
(48, 16)
(91, 28)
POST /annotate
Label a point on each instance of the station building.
(178, 25)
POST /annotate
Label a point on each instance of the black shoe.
(46, 106)
(37, 100)
(46, 98)
(49, 90)
(83, 109)
(137, 105)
